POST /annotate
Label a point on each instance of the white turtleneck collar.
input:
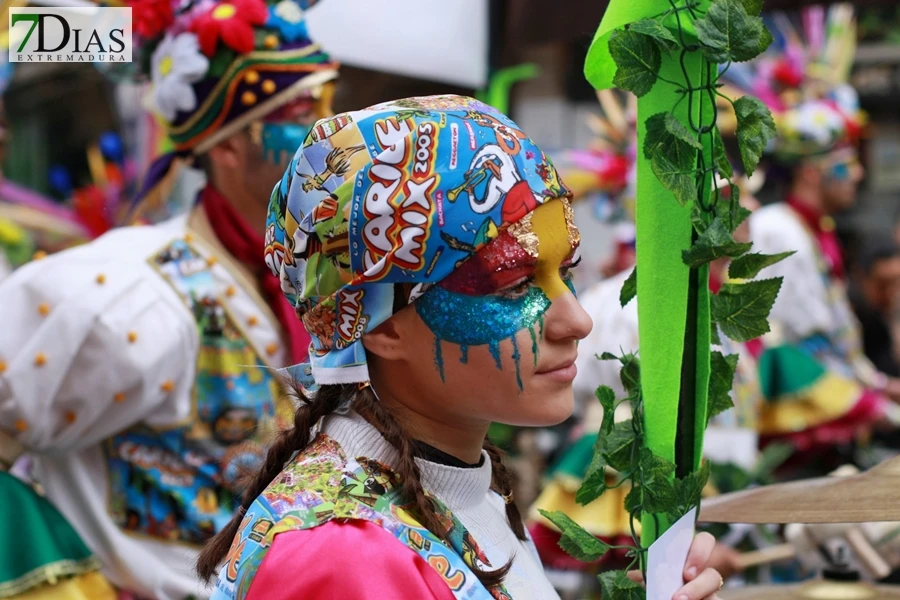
(458, 488)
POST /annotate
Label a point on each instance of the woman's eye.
(567, 272)
(518, 290)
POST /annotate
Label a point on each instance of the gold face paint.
(552, 223)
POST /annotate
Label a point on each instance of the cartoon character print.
(320, 323)
(509, 138)
(337, 164)
(444, 102)
(493, 179)
(275, 251)
(321, 484)
(369, 483)
(180, 484)
(327, 128)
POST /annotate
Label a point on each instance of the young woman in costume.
(427, 245)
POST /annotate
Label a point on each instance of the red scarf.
(822, 227)
(246, 246)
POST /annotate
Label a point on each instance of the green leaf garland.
(742, 310)
(755, 128)
(637, 61)
(749, 265)
(727, 33)
(575, 539)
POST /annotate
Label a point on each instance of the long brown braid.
(410, 476)
(323, 403)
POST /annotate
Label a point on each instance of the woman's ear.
(387, 341)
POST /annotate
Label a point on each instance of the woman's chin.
(540, 409)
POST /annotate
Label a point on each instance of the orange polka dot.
(270, 42)
(211, 261)
(39, 255)
(40, 359)
(271, 349)
(230, 291)
(252, 321)
(248, 98)
(70, 417)
(120, 397)
(188, 237)
(168, 386)
(44, 309)
(132, 337)
(2, 367)
(268, 86)
(101, 279)
(21, 425)
(251, 77)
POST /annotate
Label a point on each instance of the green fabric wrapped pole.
(674, 374)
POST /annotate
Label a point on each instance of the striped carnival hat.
(215, 66)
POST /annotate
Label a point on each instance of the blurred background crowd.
(816, 395)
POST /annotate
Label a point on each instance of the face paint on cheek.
(480, 320)
(550, 235)
(280, 138)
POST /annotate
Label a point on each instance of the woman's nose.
(566, 319)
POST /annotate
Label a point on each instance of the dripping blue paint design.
(481, 320)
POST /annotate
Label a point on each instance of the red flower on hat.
(152, 17)
(232, 21)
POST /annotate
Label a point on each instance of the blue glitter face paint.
(281, 138)
(504, 288)
(478, 320)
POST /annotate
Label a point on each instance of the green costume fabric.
(38, 545)
(664, 229)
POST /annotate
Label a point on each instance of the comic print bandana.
(387, 201)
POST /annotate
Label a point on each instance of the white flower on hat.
(177, 63)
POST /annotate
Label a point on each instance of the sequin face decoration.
(505, 287)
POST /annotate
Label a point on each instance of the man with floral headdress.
(820, 385)
(140, 371)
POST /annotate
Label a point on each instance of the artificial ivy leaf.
(755, 128)
(633, 501)
(618, 446)
(630, 374)
(672, 151)
(667, 135)
(657, 31)
(607, 398)
(594, 483)
(713, 243)
(675, 179)
(637, 61)
(657, 489)
(607, 356)
(721, 378)
(749, 266)
(753, 7)
(615, 585)
(629, 289)
(719, 157)
(688, 491)
(727, 33)
(742, 310)
(732, 213)
(575, 539)
(714, 338)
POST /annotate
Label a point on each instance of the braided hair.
(312, 408)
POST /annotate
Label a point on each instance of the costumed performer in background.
(140, 370)
(820, 386)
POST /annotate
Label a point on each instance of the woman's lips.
(564, 373)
